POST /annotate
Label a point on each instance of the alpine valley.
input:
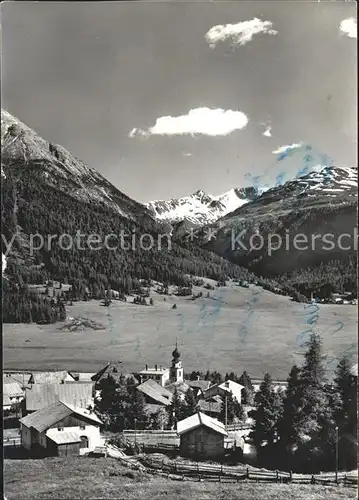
(47, 191)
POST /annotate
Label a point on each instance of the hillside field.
(84, 477)
(235, 329)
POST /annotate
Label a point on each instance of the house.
(154, 393)
(224, 388)
(158, 374)
(43, 395)
(162, 375)
(201, 437)
(6, 403)
(21, 377)
(60, 430)
(198, 386)
(210, 407)
(113, 369)
(12, 393)
(82, 376)
(54, 377)
(180, 387)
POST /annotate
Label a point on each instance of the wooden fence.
(209, 472)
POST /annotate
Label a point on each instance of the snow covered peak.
(199, 207)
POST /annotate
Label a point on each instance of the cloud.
(186, 154)
(267, 132)
(203, 121)
(286, 149)
(239, 33)
(349, 27)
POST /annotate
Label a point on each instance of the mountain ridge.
(201, 208)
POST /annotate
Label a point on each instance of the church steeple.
(176, 372)
(175, 354)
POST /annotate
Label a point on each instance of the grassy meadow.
(97, 478)
(234, 329)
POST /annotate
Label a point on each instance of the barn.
(60, 430)
(201, 437)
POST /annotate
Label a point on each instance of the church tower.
(176, 371)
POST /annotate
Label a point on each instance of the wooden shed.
(201, 437)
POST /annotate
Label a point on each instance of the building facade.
(201, 437)
(59, 430)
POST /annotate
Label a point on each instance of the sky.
(165, 98)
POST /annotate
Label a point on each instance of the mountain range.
(201, 208)
(321, 204)
(47, 190)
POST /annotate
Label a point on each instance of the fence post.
(290, 476)
(312, 481)
(276, 476)
(247, 472)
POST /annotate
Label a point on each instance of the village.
(53, 413)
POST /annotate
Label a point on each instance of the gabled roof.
(200, 419)
(230, 386)
(21, 377)
(82, 376)
(63, 437)
(49, 377)
(115, 370)
(209, 406)
(181, 387)
(6, 400)
(199, 384)
(156, 392)
(12, 389)
(78, 394)
(43, 419)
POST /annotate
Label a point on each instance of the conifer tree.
(175, 410)
(267, 413)
(313, 396)
(291, 409)
(190, 407)
(248, 390)
(346, 386)
(234, 409)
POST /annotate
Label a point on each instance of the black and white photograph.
(179, 198)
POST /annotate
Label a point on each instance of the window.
(82, 427)
(84, 442)
(60, 428)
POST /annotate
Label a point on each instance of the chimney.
(198, 377)
(227, 383)
(146, 367)
(156, 367)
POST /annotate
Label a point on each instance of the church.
(162, 375)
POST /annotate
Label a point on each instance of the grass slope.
(235, 329)
(83, 477)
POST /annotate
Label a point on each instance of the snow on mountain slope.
(201, 208)
(24, 150)
(322, 202)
